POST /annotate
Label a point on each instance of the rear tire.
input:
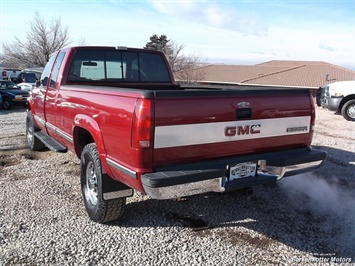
(348, 110)
(34, 143)
(98, 209)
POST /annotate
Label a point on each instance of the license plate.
(242, 170)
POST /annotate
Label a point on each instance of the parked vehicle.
(27, 77)
(340, 97)
(119, 110)
(25, 86)
(0, 101)
(8, 74)
(12, 95)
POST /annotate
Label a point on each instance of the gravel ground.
(303, 220)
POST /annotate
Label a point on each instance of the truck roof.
(119, 48)
(346, 83)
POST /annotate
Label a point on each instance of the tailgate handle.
(243, 113)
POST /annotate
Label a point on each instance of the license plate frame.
(242, 170)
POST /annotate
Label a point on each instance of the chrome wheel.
(348, 110)
(30, 134)
(91, 191)
(351, 111)
(91, 181)
(32, 141)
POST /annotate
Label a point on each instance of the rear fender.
(86, 123)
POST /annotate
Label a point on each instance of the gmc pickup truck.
(133, 128)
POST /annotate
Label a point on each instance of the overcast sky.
(230, 32)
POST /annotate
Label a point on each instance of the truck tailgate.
(201, 124)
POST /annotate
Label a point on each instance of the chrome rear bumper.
(212, 176)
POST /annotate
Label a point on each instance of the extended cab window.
(56, 68)
(121, 66)
(47, 70)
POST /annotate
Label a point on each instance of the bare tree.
(43, 39)
(174, 55)
(81, 41)
(189, 69)
(184, 67)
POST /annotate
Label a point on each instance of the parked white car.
(25, 86)
(340, 97)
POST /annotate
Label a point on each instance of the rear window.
(29, 77)
(120, 66)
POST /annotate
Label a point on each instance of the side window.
(47, 70)
(153, 68)
(56, 68)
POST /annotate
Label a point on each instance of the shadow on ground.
(305, 212)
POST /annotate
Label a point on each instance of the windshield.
(29, 77)
(7, 84)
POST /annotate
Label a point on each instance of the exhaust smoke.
(330, 204)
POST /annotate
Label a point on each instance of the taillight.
(142, 124)
(313, 111)
(313, 119)
(3, 74)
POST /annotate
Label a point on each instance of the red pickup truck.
(133, 128)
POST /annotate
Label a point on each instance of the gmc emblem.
(242, 130)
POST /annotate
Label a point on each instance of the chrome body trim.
(122, 168)
(64, 135)
(54, 129)
(40, 120)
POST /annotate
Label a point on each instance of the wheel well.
(6, 97)
(346, 99)
(82, 137)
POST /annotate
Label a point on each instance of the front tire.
(34, 143)
(98, 209)
(348, 110)
(6, 103)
